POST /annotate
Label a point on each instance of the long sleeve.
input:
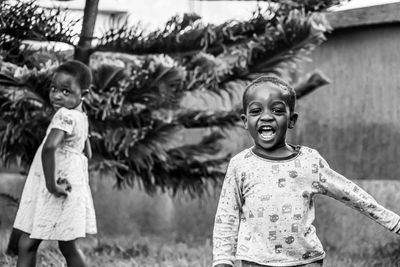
(227, 220)
(337, 186)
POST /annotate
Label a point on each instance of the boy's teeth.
(265, 128)
(268, 133)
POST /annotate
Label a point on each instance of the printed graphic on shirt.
(287, 208)
(275, 169)
(274, 217)
(293, 174)
(297, 163)
(278, 249)
(314, 168)
(265, 197)
(272, 235)
(322, 179)
(281, 182)
(289, 239)
(260, 212)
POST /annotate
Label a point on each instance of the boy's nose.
(266, 115)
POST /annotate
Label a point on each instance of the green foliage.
(135, 110)
(22, 20)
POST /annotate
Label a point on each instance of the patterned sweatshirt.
(266, 208)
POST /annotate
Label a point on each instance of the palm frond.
(314, 81)
(201, 119)
(27, 21)
(107, 76)
(185, 38)
(7, 80)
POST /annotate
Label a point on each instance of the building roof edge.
(365, 16)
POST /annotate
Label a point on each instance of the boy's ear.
(244, 119)
(293, 119)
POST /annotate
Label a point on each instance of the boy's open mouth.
(266, 132)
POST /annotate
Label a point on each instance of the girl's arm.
(227, 219)
(337, 186)
(49, 161)
(87, 149)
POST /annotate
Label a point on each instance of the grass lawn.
(155, 252)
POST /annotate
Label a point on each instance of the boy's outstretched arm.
(337, 186)
(227, 218)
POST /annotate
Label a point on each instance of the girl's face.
(65, 91)
(267, 119)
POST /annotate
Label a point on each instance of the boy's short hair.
(274, 80)
(79, 70)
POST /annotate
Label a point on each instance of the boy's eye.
(254, 110)
(278, 110)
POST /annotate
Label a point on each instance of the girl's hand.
(62, 188)
(60, 191)
(65, 182)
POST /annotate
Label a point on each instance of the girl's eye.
(52, 88)
(65, 92)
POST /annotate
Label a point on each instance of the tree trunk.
(84, 48)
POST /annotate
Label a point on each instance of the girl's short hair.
(79, 70)
(276, 81)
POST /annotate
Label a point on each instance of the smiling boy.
(268, 129)
(266, 208)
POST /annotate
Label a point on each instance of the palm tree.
(136, 111)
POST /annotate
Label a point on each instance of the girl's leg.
(27, 249)
(73, 255)
(12, 248)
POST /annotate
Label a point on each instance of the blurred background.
(164, 113)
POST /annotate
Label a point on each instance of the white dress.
(45, 216)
